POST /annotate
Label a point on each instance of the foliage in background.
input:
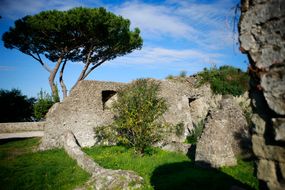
(22, 168)
(196, 133)
(225, 80)
(183, 74)
(15, 107)
(170, 170)
(136, 112)
(43, 104)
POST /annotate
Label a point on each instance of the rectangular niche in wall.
(108, 97)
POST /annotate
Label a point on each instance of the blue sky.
(178, 35)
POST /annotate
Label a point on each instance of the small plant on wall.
(136, 116)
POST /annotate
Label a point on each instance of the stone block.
(259, 124)
(279, 128)
(266, 170)
(271, 152)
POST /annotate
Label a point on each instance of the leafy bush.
(43, 104)
(183, 74)
(15, 107)
(136, 112)
(225, 80)
(196, 133)
(170, 77)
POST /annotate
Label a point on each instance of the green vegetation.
(43, 104)
(15, 107)
(183, 74)
(243, 172)
(20, 168)
(225, 80)
(168, 170)
(196, 133)
(88, 35)
(136, 112)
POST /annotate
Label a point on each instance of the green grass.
(22, 168)
(167, 170)
(243, 172)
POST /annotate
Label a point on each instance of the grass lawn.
(21, 168)
(167, 170)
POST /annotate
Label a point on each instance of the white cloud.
(150, 56)
(155, 19)
(6, 68)
(15, 9)
(205, 25)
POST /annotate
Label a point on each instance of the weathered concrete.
(27, 134)
(224, 130)
(101, 178)
(262, 38)
(21, 127)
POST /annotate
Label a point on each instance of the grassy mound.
(21, 168)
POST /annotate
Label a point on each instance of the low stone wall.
(21, 127)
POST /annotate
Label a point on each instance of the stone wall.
(87, 107)
(21, 127)
(262, 38)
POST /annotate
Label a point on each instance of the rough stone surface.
(101, 178)
(262, 38)
(269, 167)
(80, 112)
(21, 127)
(266, 151)
(279, 129)
(220, 141)
(26, 134)
(176, 147)
(88, 106)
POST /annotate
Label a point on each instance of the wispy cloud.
(15, 9)
(205, 25)
(155, 20)
(6, 68)
(150, 56)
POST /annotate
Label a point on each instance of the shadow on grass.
(185, 175)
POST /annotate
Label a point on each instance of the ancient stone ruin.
(88, 107)
(262, 38)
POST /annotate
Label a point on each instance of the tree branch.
(62, 84)
(94, 67)
(40, 61)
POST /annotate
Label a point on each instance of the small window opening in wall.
(190, 100)
(108, 98)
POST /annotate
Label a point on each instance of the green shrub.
(225, 80)
(179, 129)
(170, 77)
(183, 74)
(15, 107)
(136, 112)
(196, 133)
(43, 104)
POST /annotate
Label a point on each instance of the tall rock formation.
(262, 38)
